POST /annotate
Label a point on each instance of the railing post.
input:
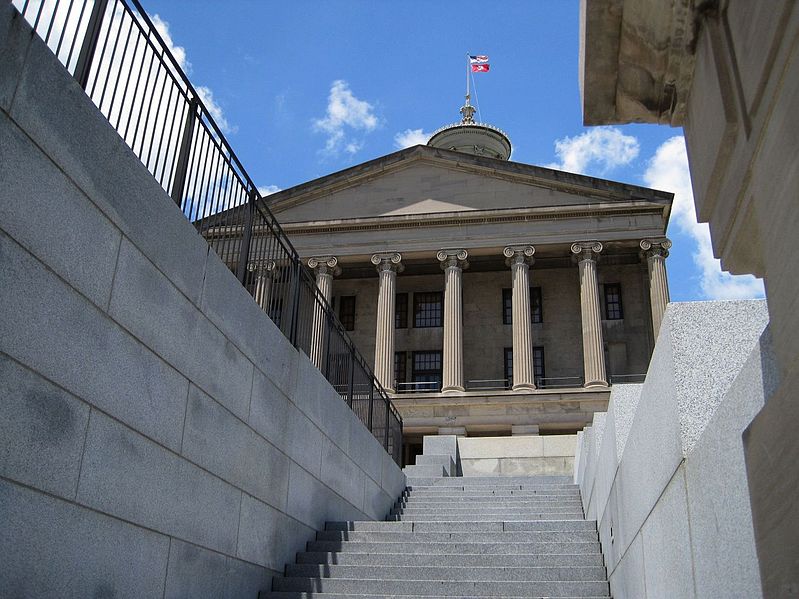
(246, 238)
(327, 330)
(388, 420)
(351, 392)
(182, 164)
(86, 55)
(295, 304)
(371, 405)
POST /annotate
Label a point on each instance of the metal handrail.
(115, 52)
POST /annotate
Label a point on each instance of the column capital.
(388, 261)
(655, 247)
(324, 265)
(453, 258)
(519, 254)
(586, 250)
(263, 267)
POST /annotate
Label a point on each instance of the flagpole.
(467, 78)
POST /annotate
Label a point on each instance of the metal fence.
(120, 58)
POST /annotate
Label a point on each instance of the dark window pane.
(508, 367)
(507, 306)
(346, 312)
(401, 311)
(400, 363)
(536, 305)
(613, 307)
(428, 309)
(539, 371)
(427, 370)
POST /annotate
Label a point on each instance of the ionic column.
(264, 271)
(388, 265)
(586, 254)
(324, 267)
(519, 258)
(656, 251)
(452, 263)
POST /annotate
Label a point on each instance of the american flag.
(479, 59)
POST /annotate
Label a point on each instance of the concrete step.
(496, 481)
(528, 536)
(487, 509)
(491, 517)
(424, 470)
(483, 490)
(315, 595)
(473, 502)
(443, 526)
(438, 460)
(456, 547)
(451, 573)
(463, 561)
(445, 588)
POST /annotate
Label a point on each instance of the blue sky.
(309, 88)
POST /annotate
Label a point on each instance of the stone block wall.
(159, 437)
(519, 455)
(663, 471)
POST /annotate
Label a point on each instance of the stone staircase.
(459, 537)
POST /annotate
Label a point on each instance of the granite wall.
(159, 437)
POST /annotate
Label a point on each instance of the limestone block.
(585, 441)
(623, 403)
(71, 235)
(299, 431)
(65, 336)
(127, 475)
(376, 502)
(222, 444)
(42, 536)
(364, 449)
(723, 541)
(666, 544)
(93, 155)
(501, 447)
(269, 537)
(269, 411)
(480, 466)
(317, 399)
(586, 463)
(42, 429)
(197, 572)
(341, 474)
(442, 445)
(146, 303)
(606, 466)
(578, 450)
(15, 35)
(313, 503)
(560, 445)
(393, 480)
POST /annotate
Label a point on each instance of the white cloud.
(266, 190)
(410, 137)
(345, 113)
(179, 52)
(668, 170)
(207, 97)
(597, 150)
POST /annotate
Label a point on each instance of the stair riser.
(420, 560)
(315, 595)
(508, 480)
(446, 495)
(491, 518)
(443, 526)
(491, 509)
(457, 502)
(458, 537)
(445, 588)
(456, 547)
(446, 573)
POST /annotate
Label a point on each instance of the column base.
(524, 429)
(524, 387)
(452, 389)
(599, 383)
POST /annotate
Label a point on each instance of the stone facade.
(485, 235)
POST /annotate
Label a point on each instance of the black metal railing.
(121, 59)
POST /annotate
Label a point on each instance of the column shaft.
(387, 267)
(453, 261)
(519, 258)
(593, 346)
(324, 268)
(656, 251)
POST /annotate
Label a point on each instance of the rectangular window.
(400, 367)
(538, 365)
(613, 308)
(401, 311)
(507, 306)
(428, 309)
(346, 312)
(508, 367)
(536, 306)
(426, 371)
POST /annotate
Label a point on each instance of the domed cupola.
(479, 139)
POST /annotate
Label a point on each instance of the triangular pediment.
(424, 180)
